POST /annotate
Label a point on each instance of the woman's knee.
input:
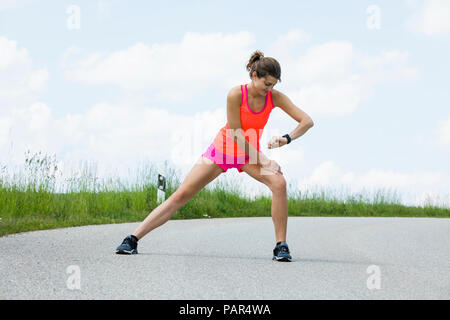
(278, 183)
(181, 196)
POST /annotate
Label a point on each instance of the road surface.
(333, 258)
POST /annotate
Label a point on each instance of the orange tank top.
(252, 124)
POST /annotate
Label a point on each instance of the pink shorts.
(225, 161)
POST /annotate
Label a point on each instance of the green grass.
(29, 201)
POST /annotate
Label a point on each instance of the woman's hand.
(277, 142)
(271, 167)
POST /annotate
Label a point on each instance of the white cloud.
(5, 127)
(173, 71)
(294, 36)
(69, 54)
(13, 4)
(291, 160)
(285, 43)
(328, 79)
(330, 61)
(330, 99)
(333, 78)
(443, 133)
(432, 18)
(433, 199)
(329, 175)
(20, 82)
(326, 173)
(388, 66)
(114, 136)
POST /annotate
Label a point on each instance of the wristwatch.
(287, 137)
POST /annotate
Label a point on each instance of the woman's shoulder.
(235, 93)
(275, 96)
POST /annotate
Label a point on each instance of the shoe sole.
(125, 252)
(282, 259)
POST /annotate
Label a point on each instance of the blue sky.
(121, 87)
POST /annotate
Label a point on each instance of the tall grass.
(33, 199)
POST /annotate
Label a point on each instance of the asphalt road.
(333, 258)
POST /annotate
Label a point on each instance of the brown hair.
(263, 66)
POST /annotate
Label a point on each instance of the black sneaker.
(128, 246)
(281, 252)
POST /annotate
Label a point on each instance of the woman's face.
(263, 85)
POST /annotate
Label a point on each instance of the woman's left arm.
(305, 122)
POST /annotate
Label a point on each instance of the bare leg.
(203, 172)
(280, 213)
(157, 217)
(277, 184)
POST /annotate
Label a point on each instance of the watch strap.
(288, 138)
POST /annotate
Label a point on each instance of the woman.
(248, 110)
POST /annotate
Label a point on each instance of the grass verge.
(30, 202)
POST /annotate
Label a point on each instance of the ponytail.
(263, 66)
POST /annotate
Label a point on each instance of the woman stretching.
(237, 146)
